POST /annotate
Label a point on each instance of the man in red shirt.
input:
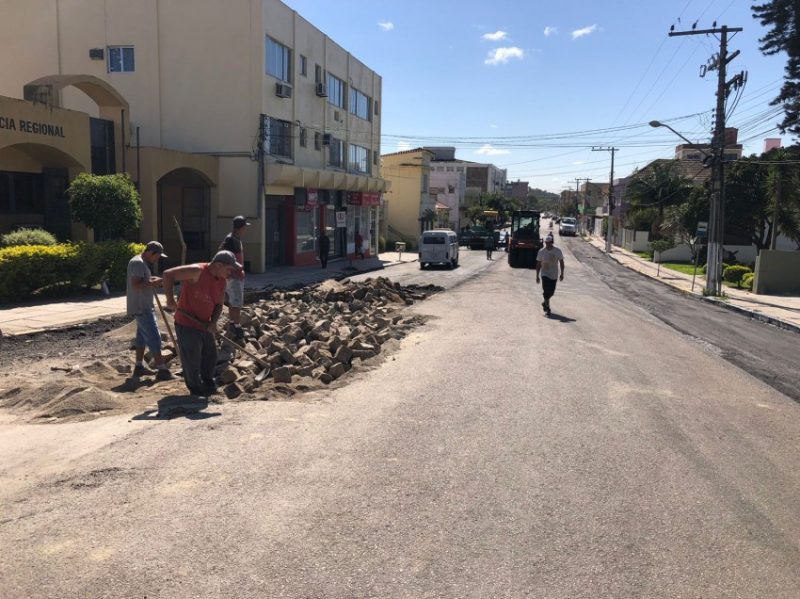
(196, 314)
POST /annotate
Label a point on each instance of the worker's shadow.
(174, 406)
(560, 318)
(133, 384)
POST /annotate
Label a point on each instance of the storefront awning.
(285, 176)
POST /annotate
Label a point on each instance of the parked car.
(568, 226)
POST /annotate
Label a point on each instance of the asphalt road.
(500, 453)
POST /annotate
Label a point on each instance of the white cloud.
(582, 32)
(402, 146)
(577, 162)
(489, 150)
(503, 55)
(386, 25)
(493, 126)
(496, 36)
(548, 31)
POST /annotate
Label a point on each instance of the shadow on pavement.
(560, 318)
(171, 406)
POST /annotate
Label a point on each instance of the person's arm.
(538, 268)
(190, 272)
(144, 279)
(561, 262)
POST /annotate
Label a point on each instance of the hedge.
(747, 280)
(735, 273)
(28, 237)
(27, 271)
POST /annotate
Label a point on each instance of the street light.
(715, 222)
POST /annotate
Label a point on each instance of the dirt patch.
(306, 340)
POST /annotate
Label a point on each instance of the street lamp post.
(715, 222)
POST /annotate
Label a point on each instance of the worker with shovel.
(140, 294)
(196, 314)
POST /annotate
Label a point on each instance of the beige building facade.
(215, 109)
(409, 207)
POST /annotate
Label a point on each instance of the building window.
(120, 59)
(279, 59)
(302, 137)
(317, 74)
(336, 153)
(359, 104)
(358, 159)
(303, 66)
(376, 107)
(305, 226)
(375, 154)
(21, 193)
(317, 141)
(278, 137)
(336, 91)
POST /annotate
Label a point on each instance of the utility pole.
(716, 220)
(609, 228)
(577, 191)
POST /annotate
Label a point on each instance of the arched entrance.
(184, 195)
(33, 186)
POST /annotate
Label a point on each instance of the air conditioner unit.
(97, 53)
(326, 139)
(322, 90)
(283, 91)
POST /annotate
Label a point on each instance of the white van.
(438, 246)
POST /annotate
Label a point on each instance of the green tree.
(680, 222)
(783, 16)
(658, 186)
(109, 204)
(750, 193)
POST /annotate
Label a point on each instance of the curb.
(777, 322)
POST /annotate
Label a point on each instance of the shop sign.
(312, 198)
(341, 220)
(25, 126)
(355, 198)
(371, 199)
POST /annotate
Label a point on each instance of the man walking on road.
(140, 294)
(324, 247)
(196, 316)
(547, 261)
(234, 291)
(488, 244)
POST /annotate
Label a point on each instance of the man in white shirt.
(547, 261)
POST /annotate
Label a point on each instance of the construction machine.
(524, 241)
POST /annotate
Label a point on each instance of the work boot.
(142, 370)
(544, 306)
(237, 332)
(163, 374)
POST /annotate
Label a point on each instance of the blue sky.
(532, 85)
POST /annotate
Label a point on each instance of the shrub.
(747, 280)
(28, 237)
(381, 244)
(724, 266)
(109, 204)
(734, 274)
(44, 270)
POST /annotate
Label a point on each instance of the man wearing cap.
(234, 291)
(196, 314)
(547, 261)
(140, 295)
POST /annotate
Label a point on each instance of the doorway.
(275, 254)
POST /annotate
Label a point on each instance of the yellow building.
(214, 108)
(409, 207)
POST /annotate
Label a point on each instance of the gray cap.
(156, 248)
(548, 238)
(226, 257)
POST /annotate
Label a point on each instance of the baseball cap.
(226, 257)
(239, 222)
(156, 248)
(549, 238)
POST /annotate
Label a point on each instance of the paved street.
(598, 453)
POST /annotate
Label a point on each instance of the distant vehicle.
(525, 241)
(568, 226)
(477, 238)
(438, 246)
(500, 239)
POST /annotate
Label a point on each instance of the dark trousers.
(548, 287)
(198, 351)
(323, 258)
(489, 253)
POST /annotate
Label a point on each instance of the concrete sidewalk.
(59, 314)
(782, 311)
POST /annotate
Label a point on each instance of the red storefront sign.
(357, 198)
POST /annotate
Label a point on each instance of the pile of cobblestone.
(316, 334)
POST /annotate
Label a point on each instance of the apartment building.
(214, 108)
